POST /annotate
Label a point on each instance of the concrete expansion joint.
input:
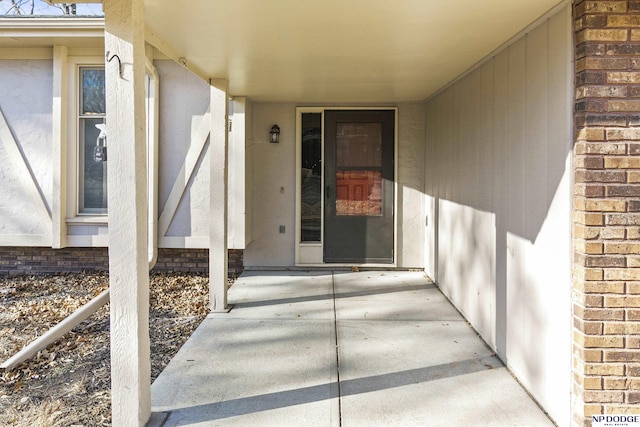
(262, 365)
(337, 347)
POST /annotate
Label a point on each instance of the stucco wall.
(498, 189)
(411, 170)
(26, 102)
(184, 100)
(273, 170)
(274, 187)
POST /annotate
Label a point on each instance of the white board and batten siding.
(498, 186)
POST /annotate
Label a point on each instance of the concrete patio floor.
(338, 348)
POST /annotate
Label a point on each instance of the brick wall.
(25, 260)
(606, 219)
(195, 260)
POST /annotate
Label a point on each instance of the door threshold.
(349, 265)
(342, 267)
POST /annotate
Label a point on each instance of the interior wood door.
(359, 186)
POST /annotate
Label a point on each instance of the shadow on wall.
(498, 176)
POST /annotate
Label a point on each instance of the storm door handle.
(328, 192)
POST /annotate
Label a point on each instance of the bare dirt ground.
(68, 384)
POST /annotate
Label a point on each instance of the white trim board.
(25, 240)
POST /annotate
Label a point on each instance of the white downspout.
(153, 103)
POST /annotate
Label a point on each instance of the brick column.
(606, 212)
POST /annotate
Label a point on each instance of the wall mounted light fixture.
(274, 134)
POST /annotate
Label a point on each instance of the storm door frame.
(311, 254)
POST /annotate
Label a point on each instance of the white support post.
(59, 147)
(218, 158)
(128, 210)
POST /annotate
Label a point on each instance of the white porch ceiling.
(333, 51)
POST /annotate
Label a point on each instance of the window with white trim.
(91, 174)
(85, 192)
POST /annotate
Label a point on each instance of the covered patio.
(338, 348)
(273, 54)
(515, 185)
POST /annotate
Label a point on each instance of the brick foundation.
(26, 260)
(606, 212)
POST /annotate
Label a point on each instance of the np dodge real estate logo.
(615, 420)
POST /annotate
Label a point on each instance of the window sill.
(89, 220)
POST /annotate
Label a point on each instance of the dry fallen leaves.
(68, 383)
